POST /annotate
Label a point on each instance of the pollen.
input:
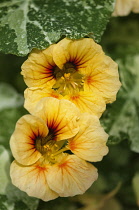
(47, 147)
(67, 76)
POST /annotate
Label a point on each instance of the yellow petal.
(38, 68)
(32, 180)
(61, 116)
(22, 141)
(71, 176)
(90, 142)
(135, 6)
(79, 52)
(90, 102)
(102, 75)
(33, 96)
(122, 7)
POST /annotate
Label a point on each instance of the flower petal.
(90, 102)
(34, 94)
(22, 141)
(38, 68)
(72, 176)
(61, 116)
(90, 142)
(122, 7)
(135, 6)
(32, 180)
(102, 75)
(79, 52)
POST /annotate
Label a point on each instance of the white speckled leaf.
(9, 98)
(121, 120)
(4, 167)
(11, 110)
(27, 24)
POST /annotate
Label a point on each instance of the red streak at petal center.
(89, 79)
(72, 146)
(54, 96)
(41, 169)
(63, 165)
(74, 97)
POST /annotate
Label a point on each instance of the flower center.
(45, 144)
(50, 148)
(68, 80)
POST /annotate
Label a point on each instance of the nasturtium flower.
(77, 70)
(124, 7)
(52, 148)
(135, 7)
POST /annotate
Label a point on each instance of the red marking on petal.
(89, 79)
(55, 128)
(63, 165)
(75, 97)
(41, 168)
(34, 135)
(72, 145)
(49, 72)
(54, 96)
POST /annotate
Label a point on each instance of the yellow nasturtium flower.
(77, 70)
(43, 166)
(124, 7)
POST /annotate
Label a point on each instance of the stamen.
(68, 80)
(45, 144)
(60, 151)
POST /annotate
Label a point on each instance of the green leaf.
(9, 98)
(11, 109)
(17, 200)
(19, 205)
(36, 24)
(4, 204)
(135, 183)
(121, 120)
(17, 196)
(8, 120)
(4, 168)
